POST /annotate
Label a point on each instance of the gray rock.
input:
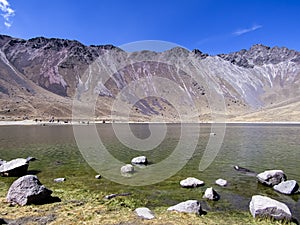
(211, 194)
(116, 195)
(221, 182)
(189, 206)
(15, 167)
(191, 182)
(59, 180)
(287, 187)
(140, 160)
(261, 206)
(30, 219)
(245, 170)
(128, 168)
(28, 190)
(144, 213)
(271, 177)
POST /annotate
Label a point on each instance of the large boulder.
(140, 160)
(28, 190)
(191, 182)
(287, 187)
(261, 206)
(144, 213)
(271, 177)
(189, 206)
(211, 194)
(14, 168)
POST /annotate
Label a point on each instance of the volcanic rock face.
(40, 77)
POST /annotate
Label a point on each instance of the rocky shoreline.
(28, 190)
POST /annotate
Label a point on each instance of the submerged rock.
(245, 170)
(14, 168)
(261, 206)
(144, 213)
(271, 177)
(287, 187)
(191, 182)
(127, 169)
(28, 190)
(59, 180)
(189, 206)
(211, 194)
(221, 182)
(140, 160)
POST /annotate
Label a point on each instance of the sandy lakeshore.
(70, 122)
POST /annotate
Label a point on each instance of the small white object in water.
(221, 182)
(59, 180)
(98, 176)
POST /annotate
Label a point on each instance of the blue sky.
(209, 25)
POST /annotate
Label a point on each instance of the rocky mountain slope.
(41, 78)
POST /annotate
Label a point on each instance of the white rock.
(221, 182)
(15, 167)
(140, 160)
(59, 180)
(144, 213)
(271, 177)
(287, 187)
(189, 206)
(98, 176)
(211, 194)
(261, 206)
(191, 182)
(128, 168)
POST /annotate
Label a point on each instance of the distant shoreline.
(70, 122)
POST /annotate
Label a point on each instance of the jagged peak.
(42, 41)
(260, 54)
(200, 54)
(176, 51)
(259, 47)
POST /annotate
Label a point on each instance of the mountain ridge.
(43, 75)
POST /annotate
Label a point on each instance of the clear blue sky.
(212, 26)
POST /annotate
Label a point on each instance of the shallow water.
(256, 147)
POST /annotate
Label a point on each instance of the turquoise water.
(256, 147)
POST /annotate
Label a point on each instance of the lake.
(257, 147)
